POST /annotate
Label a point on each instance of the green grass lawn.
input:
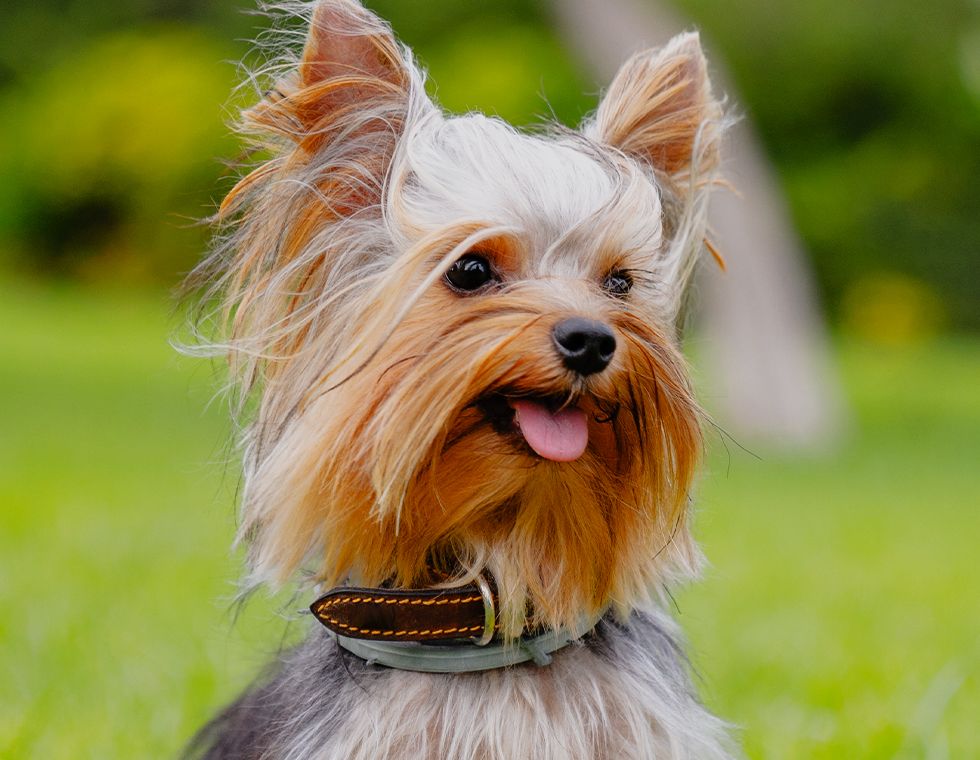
(840, 616)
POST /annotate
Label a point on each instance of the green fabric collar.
(465, 657)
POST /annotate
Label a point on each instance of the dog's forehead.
(548, 189)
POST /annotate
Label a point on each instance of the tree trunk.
(770, 375)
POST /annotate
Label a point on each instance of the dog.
(470, 433)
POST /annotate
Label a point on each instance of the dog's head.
(460, 338)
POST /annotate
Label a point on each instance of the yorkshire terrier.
(471, 432)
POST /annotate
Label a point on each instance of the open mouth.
(552, 428)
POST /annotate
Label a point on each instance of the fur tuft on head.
(384, 446)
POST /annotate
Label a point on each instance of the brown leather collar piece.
(406, 614)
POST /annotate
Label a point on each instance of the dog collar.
(420, 615)
(465, 657)
(446, 630)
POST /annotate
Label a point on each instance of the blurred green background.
(840, 617)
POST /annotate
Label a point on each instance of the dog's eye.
(617, 283)
(470, 272)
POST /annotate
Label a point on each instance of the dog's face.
(462, 337)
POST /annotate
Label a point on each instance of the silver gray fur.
(322, 702)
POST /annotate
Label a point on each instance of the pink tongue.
(559, 436)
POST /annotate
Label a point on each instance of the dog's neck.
(434, 630)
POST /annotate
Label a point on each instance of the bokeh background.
(840, 616)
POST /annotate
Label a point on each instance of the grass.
(839, 617)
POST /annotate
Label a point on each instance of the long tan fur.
(367, 455)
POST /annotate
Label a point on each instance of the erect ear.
(659, 108)
(348, 42)
(351, 71)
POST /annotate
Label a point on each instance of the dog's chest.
(584, 705)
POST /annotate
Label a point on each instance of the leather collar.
(441, 630)
(425, 615)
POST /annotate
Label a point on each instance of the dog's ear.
(659, 108)
(351, 77)
(340, 109)
(345, 39)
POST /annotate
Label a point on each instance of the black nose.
(585, 346)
